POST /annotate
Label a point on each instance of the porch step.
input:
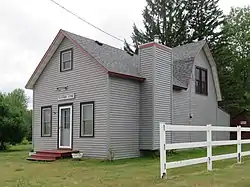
(59, 153)
(45, 156)
(37, 158)
(52, 155)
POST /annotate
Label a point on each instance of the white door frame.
(59, 126)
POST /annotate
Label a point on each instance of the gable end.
(53, 47)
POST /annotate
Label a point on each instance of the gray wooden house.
(92, 97)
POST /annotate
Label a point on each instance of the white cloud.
(29, 26)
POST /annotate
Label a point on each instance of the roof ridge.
(199, 41)
(98, 41)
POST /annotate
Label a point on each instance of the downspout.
(108, 117)
(172, 96)
(33, 121)
(190, 105)
(153, 100)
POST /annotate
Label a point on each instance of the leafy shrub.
(12, 130)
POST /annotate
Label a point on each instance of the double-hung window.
(201, 83)
(66, 60)
(87, 119)
(46, 120)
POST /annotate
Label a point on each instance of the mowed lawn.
(15, 171)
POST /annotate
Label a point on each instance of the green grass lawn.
(15, 171)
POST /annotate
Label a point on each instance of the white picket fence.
(164, 165)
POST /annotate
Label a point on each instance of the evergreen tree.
(233, 60)
(165, 18)
(179, 21)
(205, 19)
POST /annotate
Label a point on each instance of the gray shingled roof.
(113, 59)
(183, 57)
(119, 61)
(181, 72)
(188, 50)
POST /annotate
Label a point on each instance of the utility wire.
(82, 19)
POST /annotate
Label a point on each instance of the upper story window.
(201, 84)
(66, 60)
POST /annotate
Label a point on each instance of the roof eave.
(126, 76)
(178, 87)
(214, 71)
(47, 56)
(50, 51)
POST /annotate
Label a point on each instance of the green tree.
(28, 124)
(237, 29)
(12, 118)
(233, 60)
(205, 19)
(165, 18)
(18, 99)
(247, 97)
(178, 22)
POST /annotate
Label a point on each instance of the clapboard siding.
(223, 120)
(181, 113)
(89, 83)
(124, 109)
(162, 92)
(204, 108)
(146, 97)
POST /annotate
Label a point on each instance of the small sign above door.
(63, 97)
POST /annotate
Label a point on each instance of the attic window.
(99, 43)
(201, 84)
(66, 60)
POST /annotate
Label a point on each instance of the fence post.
(209, 148)
(163, 165)
(238, 144)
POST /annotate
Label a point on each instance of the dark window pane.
(197, 74)
(201, 81)
(203, 88)
(197, 86)
(198, 80)
(203, 75)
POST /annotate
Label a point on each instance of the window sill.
(87, 136)
(65, 70)
(203, 94)
(46, 135)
